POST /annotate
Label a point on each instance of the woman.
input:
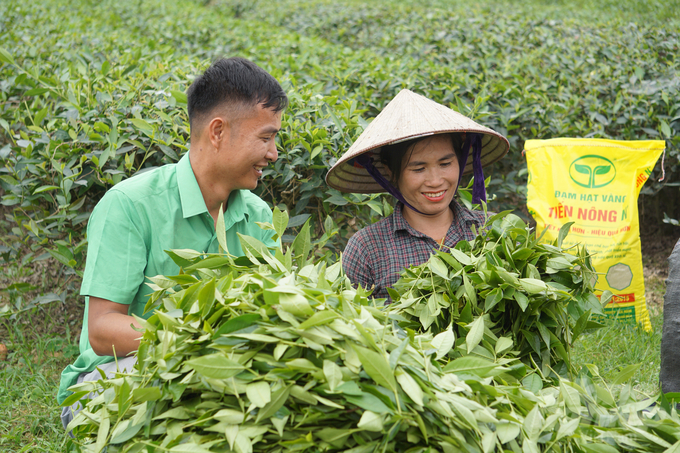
(416, 150)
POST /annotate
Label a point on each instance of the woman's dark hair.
(392, 156)
(234, 81)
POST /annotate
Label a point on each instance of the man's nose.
(272, 152)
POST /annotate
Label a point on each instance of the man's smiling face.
(251, 146)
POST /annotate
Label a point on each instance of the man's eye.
(446, 164)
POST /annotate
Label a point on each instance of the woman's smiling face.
(429, 174)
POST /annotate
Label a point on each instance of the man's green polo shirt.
(132, 226)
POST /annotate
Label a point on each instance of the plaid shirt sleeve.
(356, 262)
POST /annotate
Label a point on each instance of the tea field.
(93, 92)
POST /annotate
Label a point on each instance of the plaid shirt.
(376, 255)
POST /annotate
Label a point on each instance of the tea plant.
(274, 352)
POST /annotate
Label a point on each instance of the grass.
(618, 345)
(39, 350)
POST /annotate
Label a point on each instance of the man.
(235, 113)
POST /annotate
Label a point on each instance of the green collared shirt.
(131, 228)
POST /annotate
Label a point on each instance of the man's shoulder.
(255, 205)
(252, 201)
(148, 183)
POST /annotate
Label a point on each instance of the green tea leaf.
(368, 402)
(567, 427)
(521, 300)
(469, 290)
(139, 395)
(397, 352)
(533, 383)
(103, 432)
(438, 267)
(125, 431)
(296, 305)
(411, 388)
(564, 231)
(494, 296)
(335, 437)
(443, 342)
(333, 374)
(278, 398)
(571, 397)
(370, 421)
(6, 57)
(625, 374)
(237, 323)
(461, 257)
(507, 431)
(179, 96)
(470, 365)
(259, 393)
(377, 367)
(280, 221)
(600, 448)
(215, 366)
(319, 318)
(221, 232)
(143, 126)
(533, 423)
(532, 285)
(475, 334)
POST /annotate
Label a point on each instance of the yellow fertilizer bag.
(595, 183)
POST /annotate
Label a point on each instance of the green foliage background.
(93, 92)
(104, 80)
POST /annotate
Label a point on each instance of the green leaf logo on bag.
(592, 171)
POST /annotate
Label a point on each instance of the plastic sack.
(595, 183)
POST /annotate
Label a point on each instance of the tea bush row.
(524, 72)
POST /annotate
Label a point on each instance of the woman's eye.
(446, 164)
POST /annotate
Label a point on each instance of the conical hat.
(407, 116)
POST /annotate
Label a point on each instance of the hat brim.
(408, 116)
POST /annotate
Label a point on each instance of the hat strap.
(478, 189)
(366, 161)
(475, 141)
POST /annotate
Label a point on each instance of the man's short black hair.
(234, 82)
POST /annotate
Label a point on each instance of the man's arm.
(109, 327)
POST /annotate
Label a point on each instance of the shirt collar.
(192, 199)
(189, 193)
(460, 217)
(236, 209)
